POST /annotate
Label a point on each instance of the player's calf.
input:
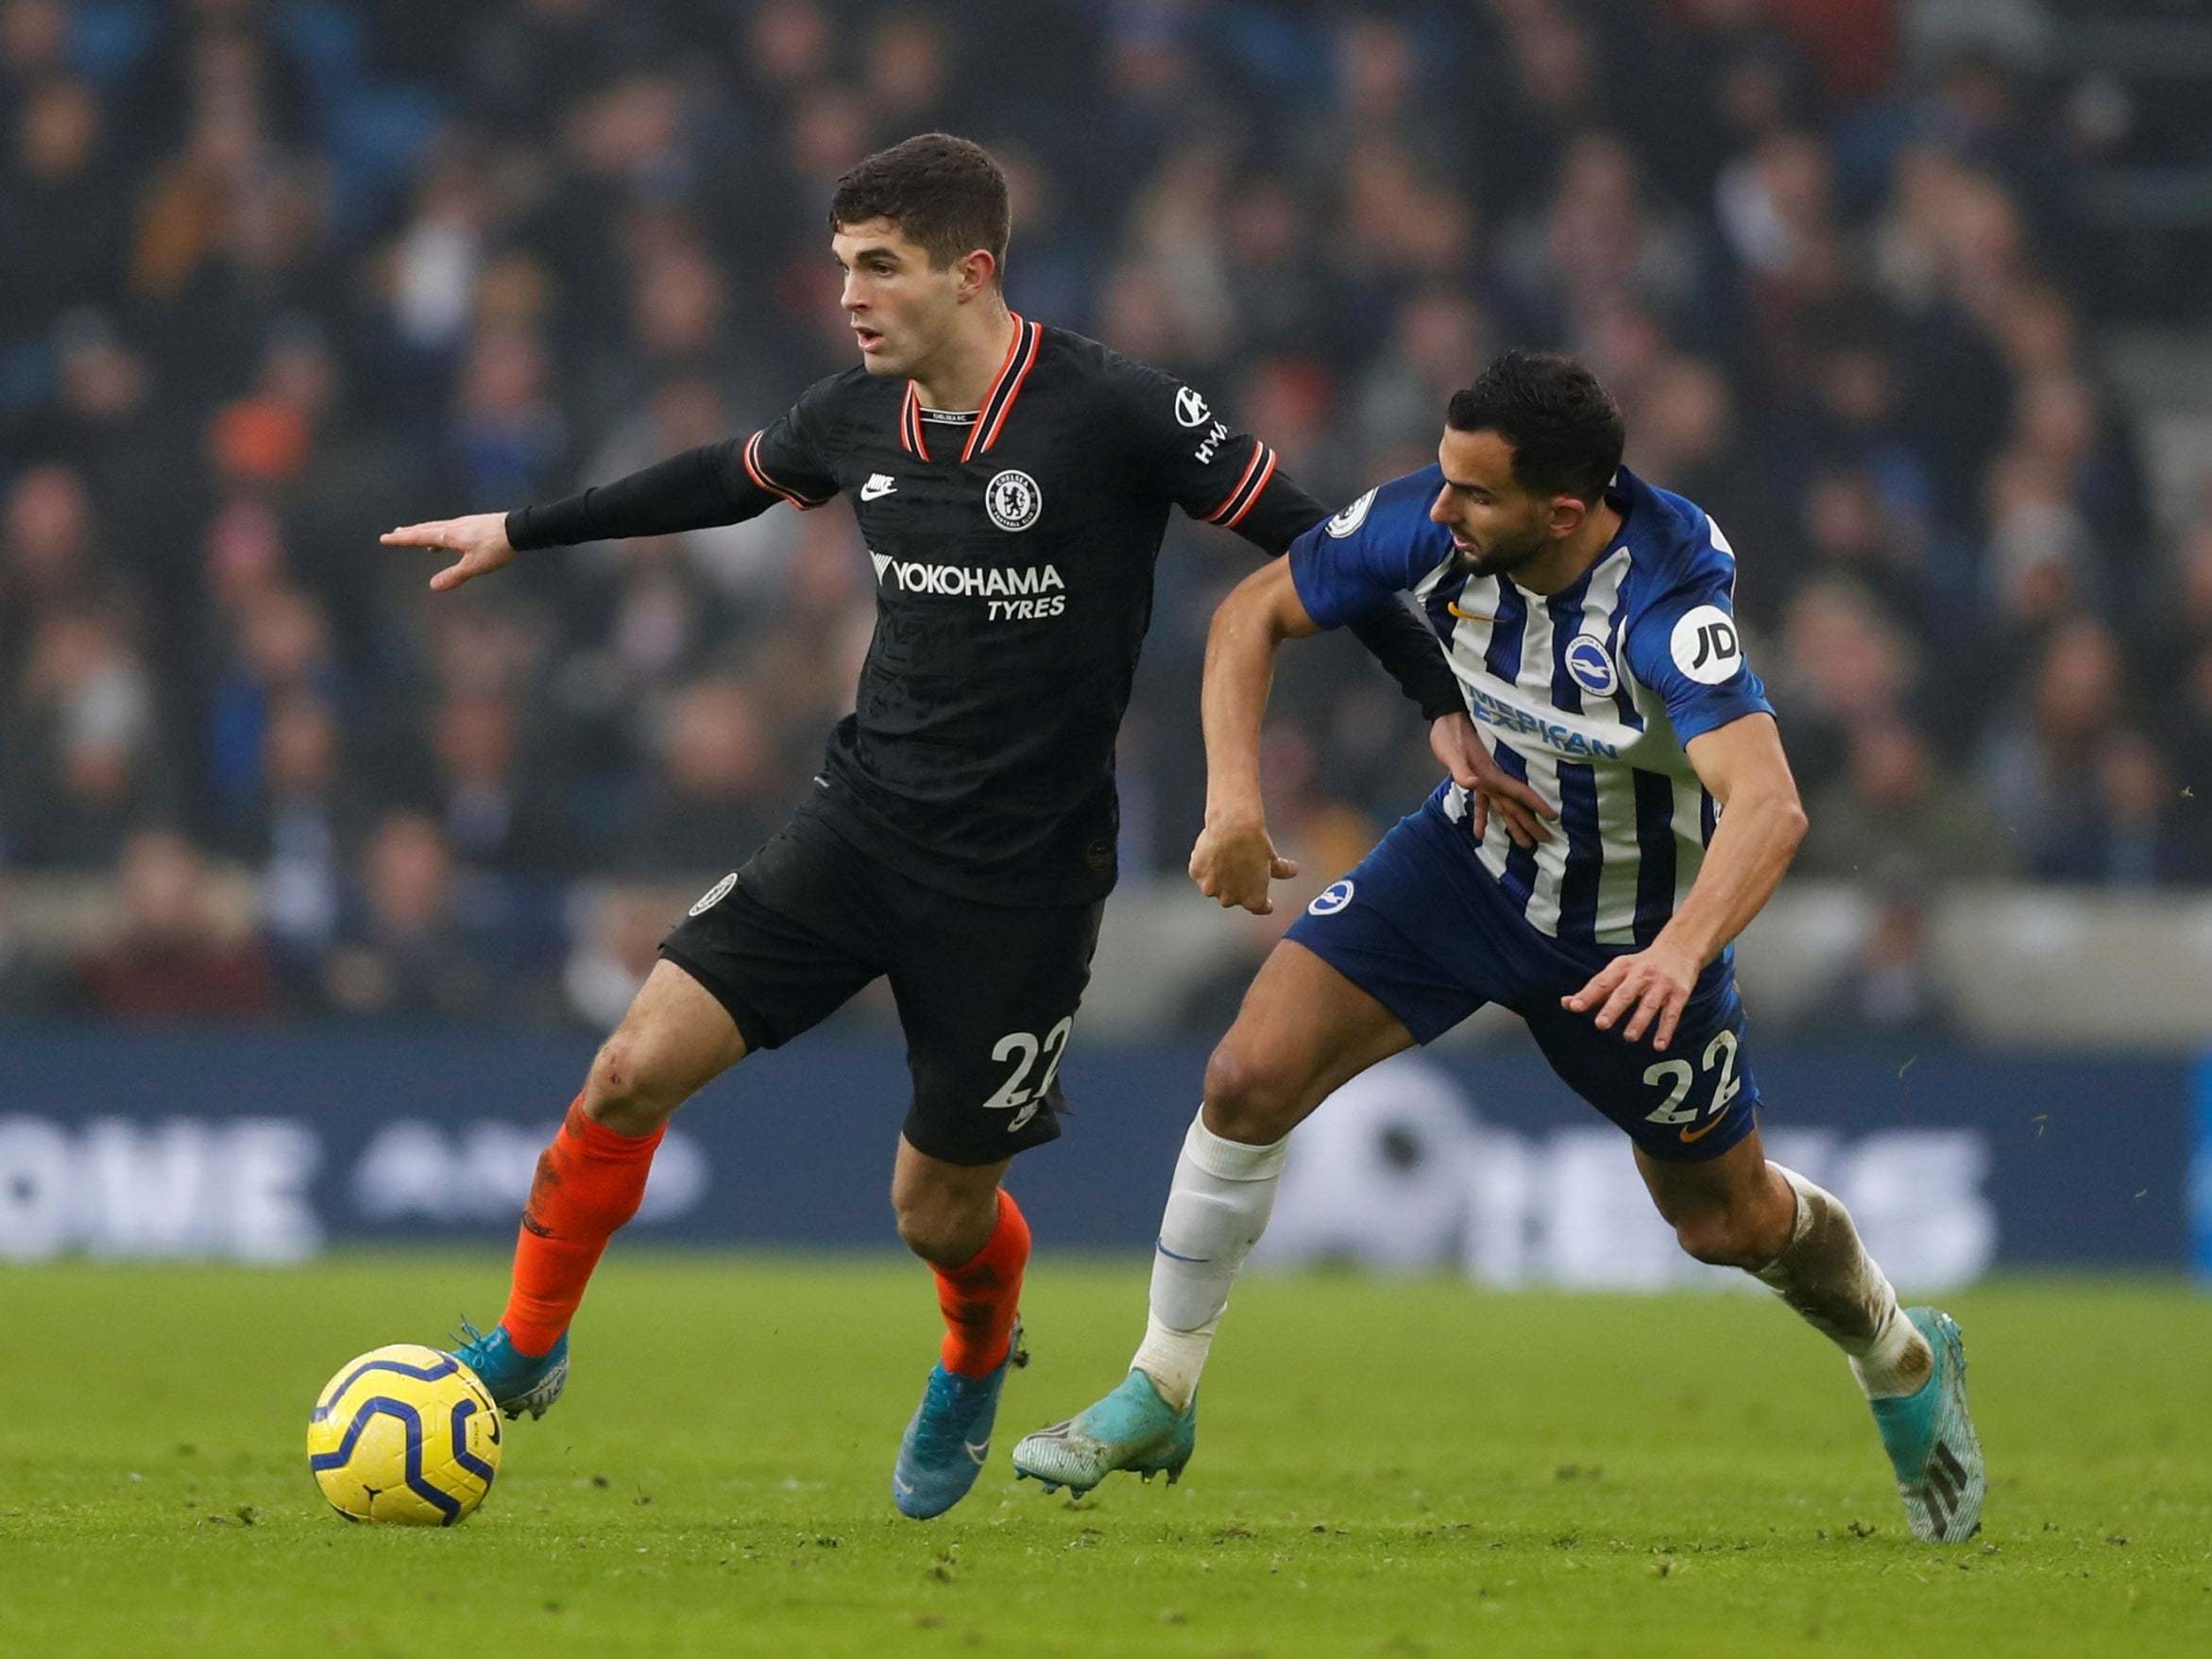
(1746, 1235)
(1825, 1274)
(945, 1444)
(1912, 1364)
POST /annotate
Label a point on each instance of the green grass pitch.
(1384, 1468)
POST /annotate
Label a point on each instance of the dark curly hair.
(942, 192)
(1564, 428)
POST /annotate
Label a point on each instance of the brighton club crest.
(1013, 500)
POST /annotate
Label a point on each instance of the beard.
(1505, 556)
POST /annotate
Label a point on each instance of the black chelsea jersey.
(1014, 557)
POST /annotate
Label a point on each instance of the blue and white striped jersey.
(1588, 695)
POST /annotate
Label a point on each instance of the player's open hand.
(479, 541)
(1651, 985)
(1490, 787)
(1233, 864)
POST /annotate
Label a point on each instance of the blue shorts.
(1423, 928)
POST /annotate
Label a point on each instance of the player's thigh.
(786, 941)
(1689, 1105)
(1303, 1031)
(1397, 952)
(987, 996)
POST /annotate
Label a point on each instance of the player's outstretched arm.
(715, 483)
(478, 542)
(1743, 764)
(1234, 861)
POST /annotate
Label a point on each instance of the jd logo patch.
(1705, 647)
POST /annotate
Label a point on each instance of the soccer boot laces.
(516, 1382)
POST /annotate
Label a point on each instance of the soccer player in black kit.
(1011, 482)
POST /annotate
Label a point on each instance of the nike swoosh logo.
(1194, 1260)
(906, 1488)
(978, 1452)
(877, 488)
(1703, 1129)
(1452, 605)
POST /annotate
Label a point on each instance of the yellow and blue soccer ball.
(404, 1435)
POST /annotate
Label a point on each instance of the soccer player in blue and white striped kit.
(1590, 619)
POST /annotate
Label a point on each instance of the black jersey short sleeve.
(716, 483)
(1214, 472)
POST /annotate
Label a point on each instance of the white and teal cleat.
(1931, 1440)
(1130, 1429)
(945, 1444)
(516, 1382)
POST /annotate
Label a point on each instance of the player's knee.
(1250, 1098)
(1724, 1238)
(625, 1090)
(922, 1228)
(941, 1225)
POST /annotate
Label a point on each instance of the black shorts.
(986, 993)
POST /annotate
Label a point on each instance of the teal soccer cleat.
(1130, 1429)
(515, 1382)
(945, 1444)
(1931, 1440)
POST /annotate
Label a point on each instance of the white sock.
(1825, 1275)
(1216, 1210)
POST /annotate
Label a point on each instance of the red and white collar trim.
(1021, 357)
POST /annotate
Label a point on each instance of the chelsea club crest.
(1013, 500)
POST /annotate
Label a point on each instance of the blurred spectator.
(1400, 406)
(507, 437)
(108, 431)
(62, 210)
(2042, 762)
(716, 795)
(280, 645)
(1898, 803)
(1892, 989)
(403, 949)
(178, 954)
(615, 950)
(49, 558)
(493, 815)
(306, 824)
(2132, 834)
(83, 764)
(30, 985)
(1844, 665)
(1603, 240)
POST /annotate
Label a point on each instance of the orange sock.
(980, 1296)
(589, 1183)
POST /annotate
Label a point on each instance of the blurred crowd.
(276, 274)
